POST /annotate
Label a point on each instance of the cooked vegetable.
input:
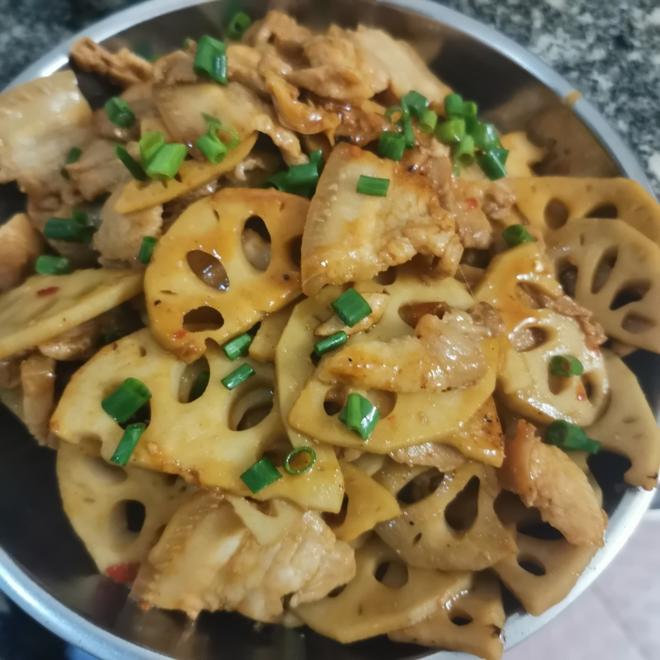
(119, 112)
(127, 444)
(238, 376)
(351, 307)
(330, 343)
(260, 475)
(126, 400)
(292, 459)
(211, 59)
(238, 347)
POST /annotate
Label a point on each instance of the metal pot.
(43, 566)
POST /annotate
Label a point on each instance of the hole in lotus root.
(251, 408)
(567, 276)
(129, 515)
(540, 530)
(411, 313)
(461, 618)
(256, 241)
(108, 474)
(630, 293)
(604, 268)
(335, 398)
(528, 338)
(336, 519)
(557, 384)
(387, 277)
(208, 269)
(384, 401)
(295, 250)
(476, 257)
(392, 574)
(461, 512)
(202, 318)
(194, 380)
(556, 214)
(421, 486)
(589, 386)
(417, 538)
(635, 323)
(605, 210)
(531, 565)
(336, 591)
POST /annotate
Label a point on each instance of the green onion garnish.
(136, 170)
(372, 185)
(515, 235)
(470, 109)
(359, 415)
(147, 249)
(126, 400)
(391, 145)
(485, 136)
(454, 105)
(213, 149)
(570, 437)
(300, 179)
(71, 230)
(330, 343)
(211, 59)
(150, 143)
(119, 112)
(463, 152)
(310, 459)
(408, 132)
(47, 264)
(565, 366)
(263, 473)
(73, 156)
(127, 444)
(492, 163)
(351, 307)
(238, 376)
(238, 346)
(428, 120)
(451, 131)
(167, 160)
(238, 24)
(415, 103)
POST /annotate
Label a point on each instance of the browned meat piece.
(488, 317)
(279, 29)
(361, 122)
(498, 200)
(123, 67)
(20, 245)
(243, 67)
(175, 68)
(433, 454)
(593, 331)
(444, 354)
(79, 343)
(544, 477)
(430, 158)
(38, 385)
(474, 229)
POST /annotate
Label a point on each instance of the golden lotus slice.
(138, 195)
(188, 307)
(472, 623)
(265, 341)
(522, 154)
(551, 201)
(627, 425)
(368, 504)
(200, 439)
(617, 277)
(95, 497)
(454, 526)
(368, 607)
(45, 306)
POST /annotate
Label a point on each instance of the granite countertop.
(610, 51)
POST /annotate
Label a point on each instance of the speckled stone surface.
(609, 49)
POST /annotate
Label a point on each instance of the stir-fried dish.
(312, 341)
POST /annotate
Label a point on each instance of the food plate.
(42, 565)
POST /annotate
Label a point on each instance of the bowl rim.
(19, 586)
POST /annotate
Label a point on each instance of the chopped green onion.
(372, 185)
(211, 59)
(351, 307)
(136, 170)
(492, 163)
(451, 131)
(289, 468)
(150, 143)
(470, 109)
(570, 437)
(391, 145)
(408, 132)
(238, 24)
(302, 175)
(167, 161)
(463, 152)
(127, 444)
(360, 415)
(394, 110)
(126, 400)
(238, 376)
(454, 105)
(119, 112)
(299, 179)
(485, 136)
(263, 473)
(428, 121)
(565, 366)
(47, 264)
(330, 343)
(147, 249)
(213, 149)
(73, 156)
(415, 102)
(214, 126)
(515, 235)
(80, 217)
(199, 385)
(238, 346)
(67, 229)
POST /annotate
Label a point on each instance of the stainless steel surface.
(44, 568)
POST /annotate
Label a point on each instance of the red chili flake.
(123, 573)
(179, 334)
(48, 291)
(472, 202)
